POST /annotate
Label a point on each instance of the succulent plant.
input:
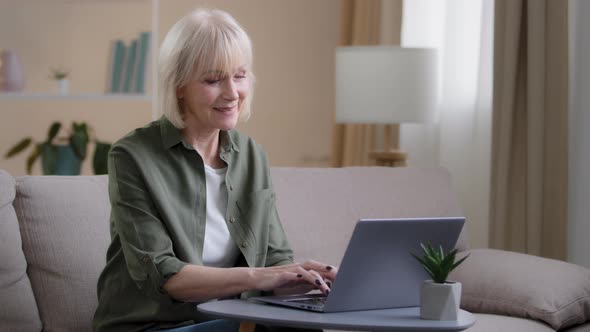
(438, 264)
(59, 73)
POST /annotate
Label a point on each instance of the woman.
(193, 215)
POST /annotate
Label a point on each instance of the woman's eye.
(240, 76)
(212, 81)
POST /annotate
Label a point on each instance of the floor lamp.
(385, 85)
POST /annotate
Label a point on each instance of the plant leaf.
(53, 130)
(441, 253)
(459, 262)
(434, 253)
(430, 273)
(431, 260)
(80, 140)
(445, 268)
(428, 251)
(100, 160)
(424, 248)
(18, 147)
(448, 260)
(421, 260)
(33, 157)
(436, 263)
(433, 266)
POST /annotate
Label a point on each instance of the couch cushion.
(508, 283)
(18, 311)
(495, 323)
(319, 207)
(579, 328)
(65, 231)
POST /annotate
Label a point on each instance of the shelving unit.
(25, 96)
(152, 97)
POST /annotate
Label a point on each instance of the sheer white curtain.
(460, 141)
(579, 158)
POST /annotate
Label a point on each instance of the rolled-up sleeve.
(279, 250)
(145, 242)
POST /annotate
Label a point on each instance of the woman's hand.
(201, 283)
(295, 278)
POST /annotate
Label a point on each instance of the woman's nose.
(230, 91)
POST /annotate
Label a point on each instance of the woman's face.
(213, 100)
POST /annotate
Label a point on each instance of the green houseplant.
(63, 155)
(60, 75)
(438, 264)
(439, 298)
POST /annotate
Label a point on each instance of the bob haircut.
(202, 41)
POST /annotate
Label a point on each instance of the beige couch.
(54, 235)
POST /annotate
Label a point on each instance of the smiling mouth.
(224, 109)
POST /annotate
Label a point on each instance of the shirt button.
(232, 220)
(231, 188)
(244, 245)
(145, 259)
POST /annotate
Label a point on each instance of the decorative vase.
(63, 86)
(12, 77)
(440, 301)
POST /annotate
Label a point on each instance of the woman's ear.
(179, 93)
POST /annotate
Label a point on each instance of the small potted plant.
(61, 76)
(63, 155)
(439, 298)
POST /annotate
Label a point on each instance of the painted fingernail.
(329, 284)
(329, 268)
(327, 292)
(299, 275)
(317, 282)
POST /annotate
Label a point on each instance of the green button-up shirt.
(158, 200)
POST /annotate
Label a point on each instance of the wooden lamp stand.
(389, 156)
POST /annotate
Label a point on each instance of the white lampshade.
(385, 84)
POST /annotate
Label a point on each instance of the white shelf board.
(27, 96)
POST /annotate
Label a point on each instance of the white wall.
(579, 156)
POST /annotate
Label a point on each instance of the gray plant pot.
(440, 301)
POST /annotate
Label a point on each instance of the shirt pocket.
(255, 200)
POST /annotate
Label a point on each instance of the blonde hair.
(201, 41)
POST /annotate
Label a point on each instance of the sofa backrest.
(18, 310)
(319, 207)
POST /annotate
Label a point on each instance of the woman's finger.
(319, 281)
(326, 270)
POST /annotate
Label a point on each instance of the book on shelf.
(143, 48)
(116, 64)
(130, 72)
(127, 70)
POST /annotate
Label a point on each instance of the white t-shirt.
(219, 250)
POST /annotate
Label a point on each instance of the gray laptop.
(378, 270)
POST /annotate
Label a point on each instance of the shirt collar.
(171, 136)
(228, 139)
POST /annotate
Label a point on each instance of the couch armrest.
(520, 285)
